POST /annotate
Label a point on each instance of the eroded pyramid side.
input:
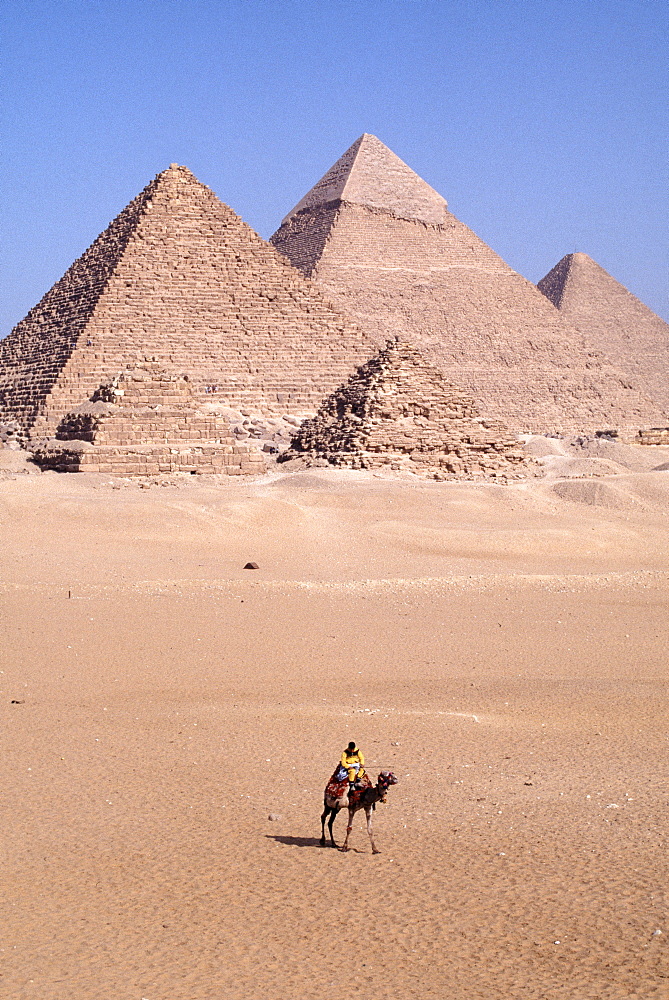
(36, 351)
(193, 287)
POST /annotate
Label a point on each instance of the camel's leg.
(351, 814)
(368, 813)
(326, 810)
(331, 824)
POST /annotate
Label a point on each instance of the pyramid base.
(425, 464)
(654, 435)
(80, 456)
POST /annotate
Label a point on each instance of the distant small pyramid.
(398, 411)
(179, 277)
(421, 274)
(371, 174)
(146, 422)
(612, 320)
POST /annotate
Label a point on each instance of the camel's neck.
(376, 793)
(369, 797)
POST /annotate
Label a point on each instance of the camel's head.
(385, 780)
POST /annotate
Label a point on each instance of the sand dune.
(502, 649)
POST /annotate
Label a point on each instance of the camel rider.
(353, 761)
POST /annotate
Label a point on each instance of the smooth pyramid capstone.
(179, 278)
(371, 174)
(398, 411)
(384, 246)
(144, 422)
(612, 320)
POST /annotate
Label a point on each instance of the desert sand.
(503, 649)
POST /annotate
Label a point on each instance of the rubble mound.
(397, 410)
(142, 423)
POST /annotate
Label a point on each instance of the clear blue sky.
(542, 123)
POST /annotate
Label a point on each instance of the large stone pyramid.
(384, 246)
(146, 422)
(613, 321)
(179, 278)
(398, 411)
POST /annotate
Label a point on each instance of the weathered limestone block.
(654, 435)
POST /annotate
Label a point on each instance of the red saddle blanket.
(339, 789)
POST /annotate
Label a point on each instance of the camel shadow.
(294, 841)
(306, 842)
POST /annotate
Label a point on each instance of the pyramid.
(397, 410)
(613, 321)
(383, 245)
(371, 174)
(178, 277)
(145, 422)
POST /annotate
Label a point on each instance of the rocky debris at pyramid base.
(146, 422)
(271, 433)
(398, 412)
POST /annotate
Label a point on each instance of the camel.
(362, 798)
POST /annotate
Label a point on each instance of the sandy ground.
(504, 650)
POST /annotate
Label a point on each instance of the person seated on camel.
(353, 761)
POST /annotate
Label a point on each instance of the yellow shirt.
(350, 759)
